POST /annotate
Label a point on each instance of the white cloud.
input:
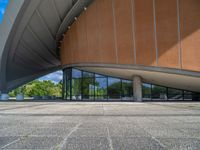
(55, 77)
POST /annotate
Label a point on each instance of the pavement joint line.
(168, 125)
(109, 139)
(19, 107)
(3, 147)
(17, 140)
(176, 107)
(154, 138)
(158, 141)
(61, 145)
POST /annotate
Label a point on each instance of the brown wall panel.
(190, 34)
(92, 24)
(144, 32)
(63, 51)
(124, 34)
(167, 33)
(66, 49)
(106, 31)
(82, 43)
(108, 27)
(73, 43)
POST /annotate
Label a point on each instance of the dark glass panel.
(127, 90)
(174, 94)
(187, 95)
(100, 86)
(68, 74)
(76, 89)
(114, 88)
(159, 92)
(66, 84)
(146, 91)
(196, 96)
(76, 73)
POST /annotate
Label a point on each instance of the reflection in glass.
(174, 94)
(100, 76)
(88, 74)
(82, 85)
(114, 88)
(76, 89)
(187, 95)
(101, 88)
(88, 88)
(76, 73)
(127, 90)
(68, 89)
(159, 92)
(146, 91)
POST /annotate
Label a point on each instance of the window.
(127, 90)
(76, 89)
(114, 88)
(101, 88)
(174, 94)
(159, 92)
(76, 73)
(146, 91)
(88, 88)
(83, 85)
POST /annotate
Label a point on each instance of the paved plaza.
(99, 125)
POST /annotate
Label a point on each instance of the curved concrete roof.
(29, 38)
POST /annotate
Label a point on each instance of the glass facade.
(161, 93)
(83, 85)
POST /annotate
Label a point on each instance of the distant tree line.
(39, 88)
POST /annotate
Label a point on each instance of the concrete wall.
(163, 33)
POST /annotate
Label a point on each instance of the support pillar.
(137, 88)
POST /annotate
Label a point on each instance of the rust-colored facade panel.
(190, 34)
(73, 43)
(106, 31)
(144, 32)
(167, 33)
(82, 43)
(92, 24)
(124, 36)
(66, 49)
(63, 51)
(134, 31)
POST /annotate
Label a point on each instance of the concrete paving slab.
(99, 125)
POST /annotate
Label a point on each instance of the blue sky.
(56, 76)
(3, 4)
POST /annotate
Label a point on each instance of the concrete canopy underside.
(29, 38)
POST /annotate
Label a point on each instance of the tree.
(39, 88)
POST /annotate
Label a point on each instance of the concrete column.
(137, 88)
